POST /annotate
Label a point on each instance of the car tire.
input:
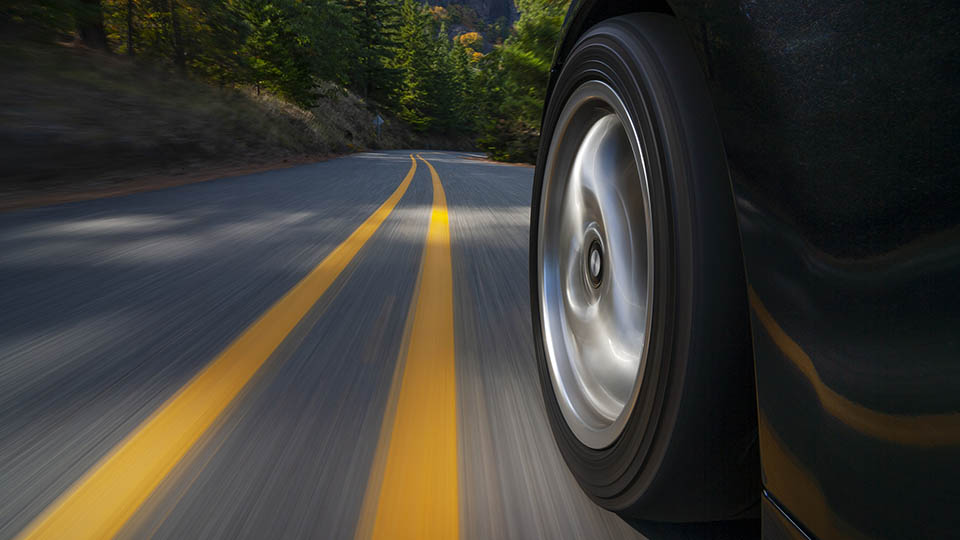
(683, 447)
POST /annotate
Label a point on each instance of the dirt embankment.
(74, 121)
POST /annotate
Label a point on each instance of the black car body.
(840, 122)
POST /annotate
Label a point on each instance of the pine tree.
(415, 60)
(464, 86)
(374, 25)
(290, 45)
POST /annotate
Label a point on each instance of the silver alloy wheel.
(595, 264)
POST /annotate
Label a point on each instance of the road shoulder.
(25, 196)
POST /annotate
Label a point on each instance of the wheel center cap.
(595, 263)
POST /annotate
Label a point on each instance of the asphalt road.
(229, 359)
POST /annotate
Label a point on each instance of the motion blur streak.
(918, 430)
(99, 504)
(418, 496)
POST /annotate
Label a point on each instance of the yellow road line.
(371, 497)
(915, 430)
(99, 504)
(418, 496)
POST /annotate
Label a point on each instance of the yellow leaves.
(439, 12)
(469, 39)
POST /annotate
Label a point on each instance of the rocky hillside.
(488, 10)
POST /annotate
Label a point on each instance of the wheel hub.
(595, 264)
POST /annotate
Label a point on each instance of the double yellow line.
(106, 497)
(417, 495)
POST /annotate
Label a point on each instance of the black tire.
(689, 449)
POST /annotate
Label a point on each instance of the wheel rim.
(595, 264)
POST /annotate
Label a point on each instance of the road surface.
(335, 350)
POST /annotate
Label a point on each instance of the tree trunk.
(130, 27)
(90, 25)
(179, 58)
